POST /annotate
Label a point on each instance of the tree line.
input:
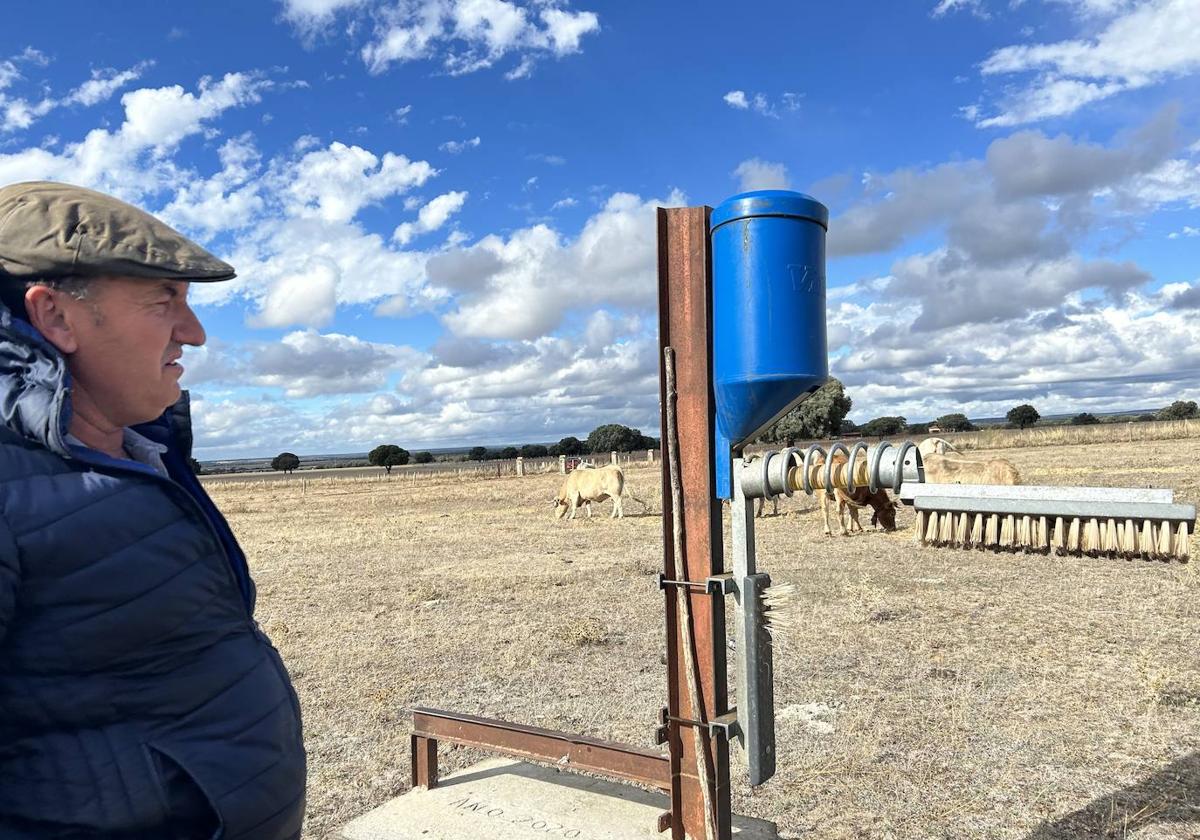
(822, 415)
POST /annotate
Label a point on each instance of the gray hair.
(12, 292)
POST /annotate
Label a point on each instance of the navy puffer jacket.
(139, 700)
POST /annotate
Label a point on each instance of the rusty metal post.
(685, 323)
(424, 762)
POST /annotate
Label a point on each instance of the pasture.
(925, 693)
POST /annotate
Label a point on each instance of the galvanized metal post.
(685, 323)
(756, 664)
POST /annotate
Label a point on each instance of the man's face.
(130, 334)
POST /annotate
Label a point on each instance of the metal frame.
(685, 323)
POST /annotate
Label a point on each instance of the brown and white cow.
(849, 504)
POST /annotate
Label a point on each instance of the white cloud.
(975, 7)
(523, 286)
(1144, 45)
(334, 184)
(455, 147)
(103, 84)
(307, 364)
(470, 35)
(310, 17)
(19, 113)
(760, 103)
(134, 160)
(307, 297)
(431, 217)
(563, 203)
(1187, 231)
(756, 174)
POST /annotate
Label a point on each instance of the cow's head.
(560, 507)
(885, 511)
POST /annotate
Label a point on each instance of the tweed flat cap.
(50, 230)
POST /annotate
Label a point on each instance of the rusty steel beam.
(685, 323)
(562, 750)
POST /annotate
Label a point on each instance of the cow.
(849, 504)
(586, 485)
(936, 446)
(942, 469)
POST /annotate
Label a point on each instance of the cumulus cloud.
(757, 174)
(737, 99)
(464, 36)
(1142, 45)
(308, 296)
(335, 183)
(1187, 231)
(431, 217)
(308, 363)
(134, 161)
(523, 286)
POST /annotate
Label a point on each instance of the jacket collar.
(35, 387)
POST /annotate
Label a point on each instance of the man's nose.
(189, 330)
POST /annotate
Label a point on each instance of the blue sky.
(441, 210)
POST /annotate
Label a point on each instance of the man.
(138, 696)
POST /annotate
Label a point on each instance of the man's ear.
(44, 307)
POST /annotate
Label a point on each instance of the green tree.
(955, 423)
(197, 467)
(477, 453)
(917, 429)
(847, 427)
(423, 458)
(1179, 410)
(820, 415)
(387, 455)
(614, 437)
(285, 462)
(1023, 415)
(569, 446)
(1084, 419)
(884, 426)
(509, 452)
(534, 450)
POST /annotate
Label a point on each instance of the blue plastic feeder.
(769, 353)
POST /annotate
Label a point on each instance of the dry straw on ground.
(921, 692)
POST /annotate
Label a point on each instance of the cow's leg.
(574, 505)
(618, 510)
(852, 515)
(826, 503)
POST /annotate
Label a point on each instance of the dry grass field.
(926, 693)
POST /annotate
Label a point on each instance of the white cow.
(936, 446)
(584, 486)
(942, 469)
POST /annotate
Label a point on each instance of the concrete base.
(502, 799)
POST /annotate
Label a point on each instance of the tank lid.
(770, 203)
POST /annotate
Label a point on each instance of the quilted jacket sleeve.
(9, 576)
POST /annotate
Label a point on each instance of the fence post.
(520, 465)
(649, 456)
(562, 464)
(613, 456)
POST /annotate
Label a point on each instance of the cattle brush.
(1092, 521)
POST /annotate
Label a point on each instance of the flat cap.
(50, 230)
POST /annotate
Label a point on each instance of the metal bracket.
(725, 726)
(722, 584)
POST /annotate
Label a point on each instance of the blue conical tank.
(769, 350)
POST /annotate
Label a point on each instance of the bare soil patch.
(925, 693)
